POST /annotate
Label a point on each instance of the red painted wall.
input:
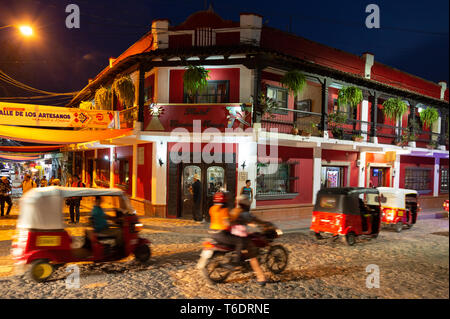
(177, 90)
(418, 162)
(144, 173)
(180, 41)
(228, 38)
(304, 170)
(344, 156)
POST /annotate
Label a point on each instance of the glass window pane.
(215, 179)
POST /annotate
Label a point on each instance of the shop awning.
(47, 136)
(31, 149)
(18, 158)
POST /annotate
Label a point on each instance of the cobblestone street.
(413, 264)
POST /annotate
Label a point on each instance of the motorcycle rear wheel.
(277, 259)
(214, 272)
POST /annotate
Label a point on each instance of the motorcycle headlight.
(279, 232)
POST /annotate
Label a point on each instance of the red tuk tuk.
(42, 242)
(347, 212)
(399, 207)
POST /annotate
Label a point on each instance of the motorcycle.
(215, 256)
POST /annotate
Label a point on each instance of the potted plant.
(294, 130)
(309, 129)
(350, 95)
(294, 81)
(357, 137)
(195, 78)
(103, 99)
(123, 87)
(428, 116)
(432, 145)
(336, 120)
(403, 140)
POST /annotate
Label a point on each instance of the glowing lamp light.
(26, 30)
(106, 157)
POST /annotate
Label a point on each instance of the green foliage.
(294, 81)
(103, 99)
(123, 87)
(428, 116)
(350, 96)
(86, 105)
(394, 108)
(195, 78)
(267, 104)
(337, 118)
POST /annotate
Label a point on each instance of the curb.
(437, 215)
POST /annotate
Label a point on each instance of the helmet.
(219, 197)
(243, 201)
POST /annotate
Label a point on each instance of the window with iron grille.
(276, 181)
(444, 180)
(418, 179)
(215, 92)
(279, 95)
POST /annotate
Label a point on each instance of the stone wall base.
(145, 207)
(284, 212)
(431, 202)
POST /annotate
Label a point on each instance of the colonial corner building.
(246, 59)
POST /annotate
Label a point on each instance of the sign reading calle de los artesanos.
(42, 115)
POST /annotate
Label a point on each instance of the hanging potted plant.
(351, 96)
(123, 87)
(394, 108)
(428, 116)
(195, 78)
(294, 81)
(103, 99)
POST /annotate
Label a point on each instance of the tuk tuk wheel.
(398, 227)
(142, 253)
(350, 239)
(409, 226)
(40, 270)
(317, 236)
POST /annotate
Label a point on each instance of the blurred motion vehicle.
(41, 243)
(399, 207)
(215, 256)
(347, 212)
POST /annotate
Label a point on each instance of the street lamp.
(26, 30)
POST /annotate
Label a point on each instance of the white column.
(364, 118)
(248, 153)
(361, 170)
(94, 169)
(111, 167)
(134, 168)
(159, 173)
(436, 177)
(317, 172)
(246, 84)
(83, 167)
(162, 85)
(397, 171)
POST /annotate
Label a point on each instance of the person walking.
(75, 202)
(247, 190)
(43, 182)
(5, 197)
(27, 184)
(197, 198)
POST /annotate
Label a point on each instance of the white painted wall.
(162, 85)
(361, 170)
(250, 29)
(397, 171)
(246, 81)
(436, 176)
(248, 152)
(159, 173)
(364, 117)
(317, 171)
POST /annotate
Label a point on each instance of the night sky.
(413, 35)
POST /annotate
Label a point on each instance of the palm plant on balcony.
(428, 116)
(195, 79)
(86, 105)
(103, 99)
(123, 87)
(294, 81)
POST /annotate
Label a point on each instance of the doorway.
(377, 177)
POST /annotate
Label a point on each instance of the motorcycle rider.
(240, 217)
(220, 227)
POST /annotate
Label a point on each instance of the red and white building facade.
(246, 59)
